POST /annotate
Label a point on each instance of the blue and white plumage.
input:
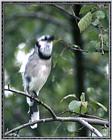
(35, 71)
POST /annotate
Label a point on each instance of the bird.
(35, 73)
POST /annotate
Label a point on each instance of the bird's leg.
(35, 95)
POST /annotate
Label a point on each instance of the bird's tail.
(33, 112)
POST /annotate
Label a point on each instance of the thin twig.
(77, 48)
(86, 51)
(66, 12)
(74, 13)
(80, 115)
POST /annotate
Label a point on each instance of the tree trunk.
(79, 64)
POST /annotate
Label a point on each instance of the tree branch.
(84, 120)
(90, 127)
(42, 16)
(36, 99)
(62, 119)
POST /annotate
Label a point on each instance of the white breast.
(38, 81)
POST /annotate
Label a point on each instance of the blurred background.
(73, 72)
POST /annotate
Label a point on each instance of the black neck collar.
(43, 56)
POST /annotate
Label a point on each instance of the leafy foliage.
(79, 106)
(85, 21)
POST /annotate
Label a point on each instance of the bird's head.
(45, 45)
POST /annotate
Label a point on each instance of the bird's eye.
(45, 38)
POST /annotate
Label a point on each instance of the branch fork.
(85, 121)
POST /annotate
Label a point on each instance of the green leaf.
(85, 22)
(74, 106)
(100, 105)
(87, 8)
(68, 96)
(100, 14)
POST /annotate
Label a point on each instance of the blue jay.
(36, 72)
